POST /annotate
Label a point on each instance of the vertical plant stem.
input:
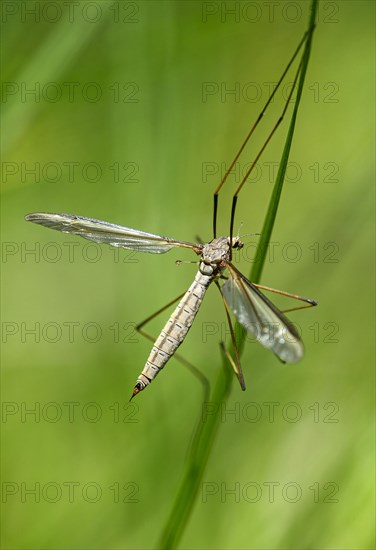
(208, 426)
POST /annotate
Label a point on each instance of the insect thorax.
(216, 254)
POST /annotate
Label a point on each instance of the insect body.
(250, 306)
(214, 259)
(252, 309)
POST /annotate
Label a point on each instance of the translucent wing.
(261, 318)
(109, 233)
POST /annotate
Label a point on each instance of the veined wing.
(109, 233)
(261, 318)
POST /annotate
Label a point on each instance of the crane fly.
(252, 309)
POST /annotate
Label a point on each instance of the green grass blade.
(207, 428)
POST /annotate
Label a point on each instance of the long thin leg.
(194, 370)
(251, 132)
(309, 302)
(250, 169)
(236, 365)
(239, 373)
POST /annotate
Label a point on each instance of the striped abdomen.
(175, 330)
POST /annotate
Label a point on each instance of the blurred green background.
(130, 122)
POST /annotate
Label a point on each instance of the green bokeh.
(165, 138)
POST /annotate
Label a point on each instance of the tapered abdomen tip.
(138, 387)
(135, 392)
